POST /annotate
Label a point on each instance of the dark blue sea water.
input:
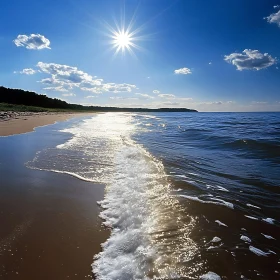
(188, 195)
(225, 167)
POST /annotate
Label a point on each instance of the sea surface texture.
(188, 195)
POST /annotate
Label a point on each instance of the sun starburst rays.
(124, 38)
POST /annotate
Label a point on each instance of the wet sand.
(50, 227)
(21, 122)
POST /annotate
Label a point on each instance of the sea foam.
(210, 276)
(140, 211)
(128, 251)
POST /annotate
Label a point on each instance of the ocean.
(188, 195)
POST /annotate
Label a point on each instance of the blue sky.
(211, 55)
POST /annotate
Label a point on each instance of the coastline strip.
(27, 123)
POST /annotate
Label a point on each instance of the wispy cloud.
(169, 103)
(91, 96)
(113, 87)
(47, 81)
(32, 42)
(168, 96)
(215, 103)
(59, 88)
(156, 91)
(68, 94)
(259, 102)
(183, 71)
(97, 90)
(26, 71)
(250, 60)
(123, 98)
(184, 98)
(274, 17)
(145, 95)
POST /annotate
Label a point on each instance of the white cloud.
(183, 71)
(276, 6)
(64, 73)
(93, 90)
(123, 98)
(259, 102)
(250, 60)
(145, 95)
(233, 106)
(112, 87)
(91, 96)
(156, 91)
(210, 63)
(183, 99)
(209, 106)
(48, 81)
(171, 103)
(26, 71)
(68, 94)
(216, 106)
(169, 96)
(158, 103)
(212, 103)
(32, 42)
(217, 103)
(59, 88)
(70, 77)
(274, 17)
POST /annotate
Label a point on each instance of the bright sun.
(124, 38)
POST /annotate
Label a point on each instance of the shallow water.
(50, 227)
(188, 194)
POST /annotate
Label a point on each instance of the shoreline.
(50, 224)
(12, 123)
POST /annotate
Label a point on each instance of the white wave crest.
(140, 210)
(257, 251)
(245, 238)
(210, 276)
(128, 251)
(217, 202)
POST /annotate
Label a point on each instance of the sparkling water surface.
(188, 195)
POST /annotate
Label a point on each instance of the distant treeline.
(28, 98)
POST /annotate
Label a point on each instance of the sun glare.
(124, 38)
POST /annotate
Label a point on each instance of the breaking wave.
(150, 231)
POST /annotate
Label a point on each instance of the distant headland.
(39, 102)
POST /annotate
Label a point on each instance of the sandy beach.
(50, 225)
(21, 122)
